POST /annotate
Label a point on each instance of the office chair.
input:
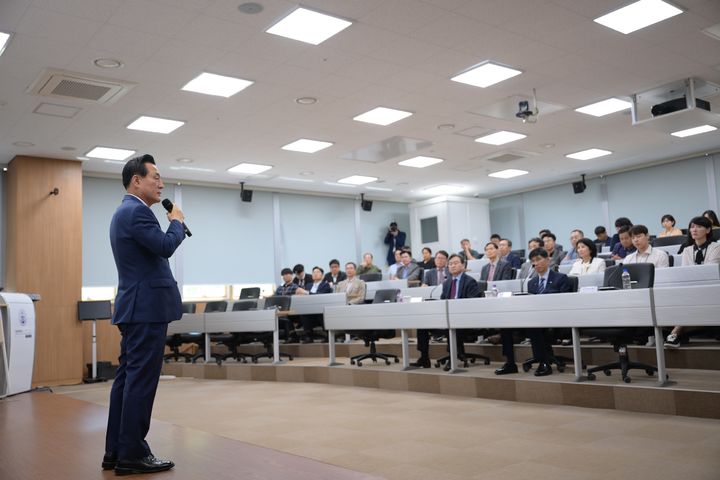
(388, 295)
(233, 339)
(463, 336)
(280, 303)
(609, 262)
(210, 307)
(673, 240)
(643, 274)
(715, 234)
(671, 260)
(520, 253)
(174, 342)
(251, 293)
(559, 361)
(371, 277)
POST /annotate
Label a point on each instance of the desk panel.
(387, 316)
(426, 293)
(372, 287)
(591, 280)
(241, 321)
(688, 305)
(314, 304)
(189, 323)
(687, 276)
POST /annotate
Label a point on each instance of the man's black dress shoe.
(422, 362)
(148, 464)
(543, 369)
(506, 369)
(109, 461)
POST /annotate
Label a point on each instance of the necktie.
(491, 272)
(453, 288)
(441, 276)
(405, 272)
(541, 286)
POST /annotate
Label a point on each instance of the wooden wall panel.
(44, 255)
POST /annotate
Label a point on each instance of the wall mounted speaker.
(246, 195)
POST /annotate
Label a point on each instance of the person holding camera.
(395, 239)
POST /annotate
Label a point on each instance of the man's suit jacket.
(340, 277)
(308, 281)
(356, 292)
(468, 287)
(399, 242)
(556, 283)
(147, 291)
(431, 276)
(514, 261)
(503, 271)
(411, 272)
(324, 287)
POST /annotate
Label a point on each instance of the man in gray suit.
(439, 274)
(496, 269)
(409, 270)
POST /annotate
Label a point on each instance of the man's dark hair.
(551, 235)
(334, 261)
(286, 271)
(623, 221)
(509, 242)
(600, 229)
(443, 253)
(299, 268)
(624, 229)
(351, 263)
(638, 230)
(495, 235)
(404, 252)
(136, 166)
(537, 240)
(491, 243)
(455, 255)
(428, 249)
(538, 252)
(590, 245)
(318, 268)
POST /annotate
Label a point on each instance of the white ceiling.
(397, 53)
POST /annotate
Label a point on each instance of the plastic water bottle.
(494, 290)
(399, 297)
(626, 280)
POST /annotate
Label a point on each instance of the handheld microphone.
(169, 206)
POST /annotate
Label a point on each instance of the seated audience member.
(288, 287)
(624, 246)
(670, 230)
(392, 270)
(495, 238)
(526, 270)
(547, 281)
(619, 223)
(367, 265)
(700, 250)
(437, 275)
(506, 254)
(409, 270)
(712, 216)
(467, 252)
(353, 287)
(545, 231)
(458, 285)
(310, 321)
(644, 252)
(587, 261)
(601, 236)
(572, 255)
(427, 261)
(301, 278)
(334, 276)
(496, 269)
(555, 254)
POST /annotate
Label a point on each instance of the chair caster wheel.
(627, 379)
(437, 364)
(560, 369)
(254, 360)
(591, 376)
(487, 361)
(352, 362)
(446, 368)
(359, 364)
(649, 372)
(397, 360)
(526, 367)
(374, 360)
(219, 362)
(387, 362)
(472, 360)
(290, 358)
(607, 372)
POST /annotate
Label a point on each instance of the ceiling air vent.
(71, 85)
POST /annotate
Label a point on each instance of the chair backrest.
(371, 277)
(219, 306)
(282, 302)
(244, 305)
(716, 234)
(609, 262)
(513, 273)
(520, 253)
(671, 260)
(483, 287)
(251, 292)
(188, 307)
(643, 274)
(386, 295)
(573, 280)
(673, 240)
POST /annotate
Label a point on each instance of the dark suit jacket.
(514, 261)
(503, 271)
(147, 291)
(413, 272)
(431, 276)
(469, 288)
(308, 281)
(340, 277)
(324, 287)
(392, 246)
(556, 283)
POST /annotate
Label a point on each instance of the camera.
(524, 113)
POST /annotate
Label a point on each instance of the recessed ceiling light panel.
(357, 180)
(589, 154)
(110, 153)
(443, 190)
(420, 162)
(605, 107)
(500, 138)
(4, 41)
(694, 131)
(155, 125)
(249, 168)
(509, 173)
(485, 74)
(306, 145)
(638, 15)
(308, 26)
(382, 116)
(218, 85)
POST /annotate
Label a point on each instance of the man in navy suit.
(316, 287)
(546, 281)
(506, 254)
(147, 300)
(395, 240)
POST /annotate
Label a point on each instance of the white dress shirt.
(652, 255)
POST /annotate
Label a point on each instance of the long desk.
(314, 304)
(694, 306)
(372, 287)
(693, 275)
(383, 316)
